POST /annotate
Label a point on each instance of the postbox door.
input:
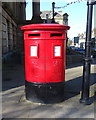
(54, 61)
(35, 58)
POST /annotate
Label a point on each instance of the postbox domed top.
(44, 27)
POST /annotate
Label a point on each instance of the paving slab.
(15, 105)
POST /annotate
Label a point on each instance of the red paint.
(45, 67)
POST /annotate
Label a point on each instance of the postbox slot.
(55, 34)
(33, 35)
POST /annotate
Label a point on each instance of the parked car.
(72, 47)
(94, 49)
(93, 52)
(79, 50)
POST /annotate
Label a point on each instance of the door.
(35, 57)
(54, 58)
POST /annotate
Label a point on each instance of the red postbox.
(45, 50)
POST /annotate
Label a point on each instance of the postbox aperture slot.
(33, 35)
(55, 34)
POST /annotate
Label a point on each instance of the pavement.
(15, 105)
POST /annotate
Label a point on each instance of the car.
(79, 50)
(72, 47)
(94, 49)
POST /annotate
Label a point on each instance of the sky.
(77, 14)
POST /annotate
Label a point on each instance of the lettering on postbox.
(33, 51)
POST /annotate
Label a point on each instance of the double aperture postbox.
(45, 49)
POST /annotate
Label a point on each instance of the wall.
(0, 30)
(13, 14)
(95, 20)
(8, 33)
(74, 59)
(58, 17)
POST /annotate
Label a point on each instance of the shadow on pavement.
(74, 86)
(74, 65)
(13, 76)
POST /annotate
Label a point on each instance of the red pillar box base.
(45, 54)
(46, 93)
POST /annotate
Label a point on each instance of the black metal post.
(53, 6)
(87, 60)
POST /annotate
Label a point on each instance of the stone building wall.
(95, 20)
(0, 31)
(9, 28)
(13, 15)
(58, 16)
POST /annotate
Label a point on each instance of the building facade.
(95, 20)
(82, 39)
(12, 15)
(47, 17)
